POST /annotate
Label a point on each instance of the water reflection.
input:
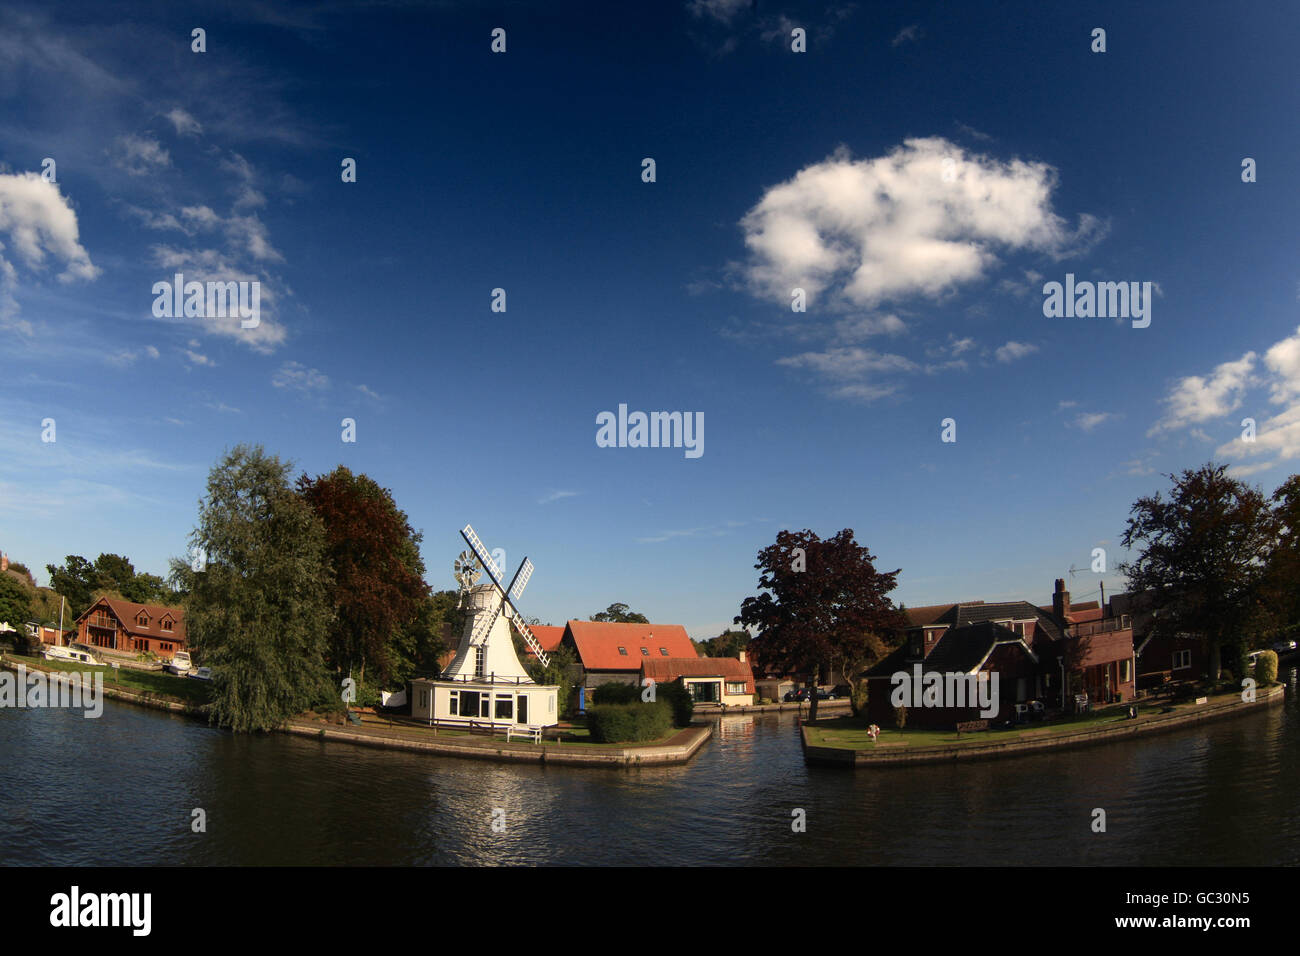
(1221, 794)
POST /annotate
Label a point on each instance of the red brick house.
(1038, 654)
(1164, 657)
(127, 629)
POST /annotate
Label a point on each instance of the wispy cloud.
(298, 377)
(547, 498)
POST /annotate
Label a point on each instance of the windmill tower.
(485, 685)
(486, 648)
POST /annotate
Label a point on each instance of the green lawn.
(850, 733)
(184, 689)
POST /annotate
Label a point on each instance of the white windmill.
(485, 683)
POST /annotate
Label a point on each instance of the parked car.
(1283, 647)
(180, 664)
(201, 673)
(795, 696)
(824, 694)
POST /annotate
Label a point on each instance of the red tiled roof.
(548, 636)
(127, 611)
(598, 642)
(670, 668)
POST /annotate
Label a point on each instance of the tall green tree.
(620, 614)
(76, 580)
(1282, 577)
(259, 612)
(15, 602)
(1202, 552)
(822, 605)
(378, 584)
(727, 644)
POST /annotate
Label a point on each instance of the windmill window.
(623, 651)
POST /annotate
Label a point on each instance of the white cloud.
(864, 326)
(1014, 350)
(369, 392)
(1196, 399)
(1283, 360)
(848, 362)
(724, 11)
(865, 231)
(297, 376)
(186, 125)
(909, 34)
(37, 223)
(1090, 420)
(139, 155)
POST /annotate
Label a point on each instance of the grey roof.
(962, 615)
(959, 650)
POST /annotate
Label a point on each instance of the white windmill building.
(486, 686)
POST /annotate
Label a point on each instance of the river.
(120, 790)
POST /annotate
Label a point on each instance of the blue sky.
(774, 169)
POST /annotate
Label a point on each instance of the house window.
(929, 637)
(736, 687)
(505, 708)
(663, 651)
(485, 705)
(142, 619)
(704, 691)
(454, 707)
(167, 624)
(645, 652)
(623, 651)
(1182, 659)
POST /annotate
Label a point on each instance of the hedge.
(1265, 667)
(620, 723)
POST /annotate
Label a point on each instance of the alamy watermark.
(1100, 300)
(655, 430)
(79, 691)
(210, 300)
(954, 689)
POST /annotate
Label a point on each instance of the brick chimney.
(1061, 603)
(741, 654)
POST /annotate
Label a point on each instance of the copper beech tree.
(378, 588)
(823, 605)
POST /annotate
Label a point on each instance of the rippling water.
(122, 789)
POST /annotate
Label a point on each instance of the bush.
(620, 723)
(1266, 667)
(679, 699)
(616, 693)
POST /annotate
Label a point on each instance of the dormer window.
(142, 619)
(167, 624)
(622, 651)
(645, 652)
(663, 651)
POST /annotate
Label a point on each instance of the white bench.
(524, 733)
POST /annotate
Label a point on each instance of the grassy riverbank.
(180, 690)
(848, 735)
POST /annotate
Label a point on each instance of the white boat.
(180, 664)
(70, 654)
